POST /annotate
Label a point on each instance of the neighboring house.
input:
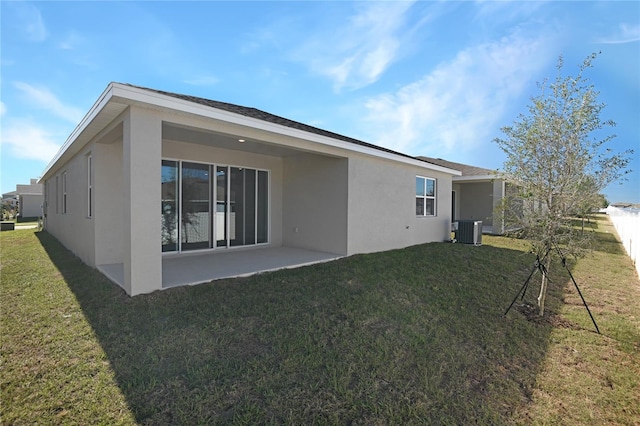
(10, 199)
(476, 194)
(9, 203)
(30, 199)
(148, 177)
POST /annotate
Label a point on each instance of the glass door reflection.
(221, 224)
(196, 232)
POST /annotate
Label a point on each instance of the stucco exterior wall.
(315, 203)
(382, 212)
(324, 194)
(498, 218)
(31, 205)
(74, 229)
(211, 155)
(476, 202)
(109, 206)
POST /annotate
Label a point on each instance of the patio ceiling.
(181, 133)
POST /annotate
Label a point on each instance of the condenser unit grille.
(469, 232)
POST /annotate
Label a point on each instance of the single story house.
(10, 199)
(30, 199)
(476, 194)
(157, 189)
(27, 199)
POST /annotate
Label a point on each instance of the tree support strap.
(539, 265)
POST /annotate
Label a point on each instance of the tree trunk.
(543, 286)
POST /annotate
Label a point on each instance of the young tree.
(556, 165)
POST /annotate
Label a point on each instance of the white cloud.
(44, 99)
(71, 41)
(461, 102)
(500, 12)
(624, 34)
(29, 21)
(3, 108)
(363, 49)
(24, 139)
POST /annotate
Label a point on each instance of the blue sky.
(425, 78)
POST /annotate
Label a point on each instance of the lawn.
(412, 336)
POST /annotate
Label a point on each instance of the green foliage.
(601, 201)
(556, 160)
(7, 211)
(557, 163)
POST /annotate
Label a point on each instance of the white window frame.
(89, 185)
(424, 197)
(64, 192)
(57, 197)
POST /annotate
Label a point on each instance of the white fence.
(627, 224)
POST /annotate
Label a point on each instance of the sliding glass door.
(196, 232)
(262, 207)
(170, 202)
(248, 207)
(221, 220)
(210, 206)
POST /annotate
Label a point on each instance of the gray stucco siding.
(382, 213)
(74, 229)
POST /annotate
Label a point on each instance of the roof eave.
(476, 177)
(98, 106)
(130, 95)
(163, 100)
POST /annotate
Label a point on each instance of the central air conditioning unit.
(469, 232)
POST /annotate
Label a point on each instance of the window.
(57, 194)
(425, 196)
(89, 186)
(64, 193)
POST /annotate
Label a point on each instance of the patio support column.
(142, 151)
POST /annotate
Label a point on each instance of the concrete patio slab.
(198, 268)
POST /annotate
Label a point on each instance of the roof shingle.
(466, 169)
(272, 118)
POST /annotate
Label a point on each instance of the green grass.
(588, 378)
(408, 336)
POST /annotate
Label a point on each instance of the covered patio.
(233, 198)
(202, 267)
(167, 189)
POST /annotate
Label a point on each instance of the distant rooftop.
(466, 169)
(32, 188)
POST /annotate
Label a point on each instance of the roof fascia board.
(478, 177)
(165, 101)
(130, 94)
